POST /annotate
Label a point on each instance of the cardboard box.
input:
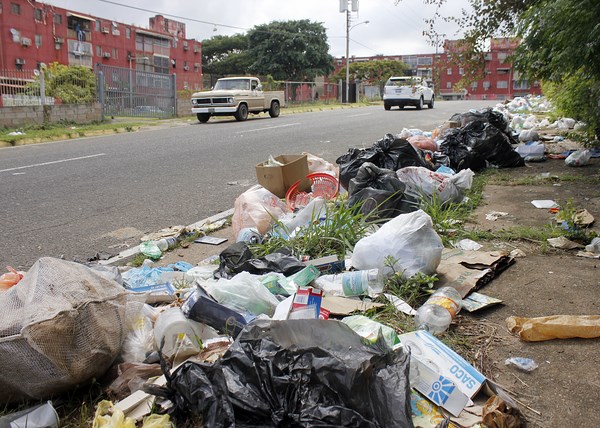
(278, 179)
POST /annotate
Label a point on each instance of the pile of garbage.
(274, 335)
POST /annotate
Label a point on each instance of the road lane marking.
(358, 115)
(53, 162)
(267, 128)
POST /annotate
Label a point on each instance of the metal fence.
(129, 92)
(43, 87)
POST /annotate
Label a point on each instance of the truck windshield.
(232, 84)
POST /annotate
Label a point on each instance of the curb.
(128, 254)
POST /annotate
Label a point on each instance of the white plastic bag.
(409, 239)
(579, 158)
(421, 182)
(317, 164)
(257, 207)
(244, 292)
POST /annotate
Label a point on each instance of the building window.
(521, 84)
(58, 19)
(473, 86)
(37, 14)
(449, 71)
(98, 25)
(486, 85)
(461, 71)
(425, 60)
(98, 51)
(15, 9)
(489, 56)
(38, 40)
(128, 32)
(196, 67)
(115, 53)
(502, 56)
(502, 84)
(448, 85)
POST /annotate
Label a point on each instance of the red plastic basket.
(322, 185)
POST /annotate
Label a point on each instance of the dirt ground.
(565, 389)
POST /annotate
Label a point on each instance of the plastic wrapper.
(10, 279)
(238, 258)
(40, 416)
(371, 330)
(409, 239)
(258, 208)
(317, 164)
(131, 377)
(140, 340)
(244, 292)
(525, 364)
(555, 327)
(497, 413)
(423, 183)
(296, 373)
(423, 143)
(378, 192)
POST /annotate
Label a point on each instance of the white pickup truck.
(407, 90)
(236, 96)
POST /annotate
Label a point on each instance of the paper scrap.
(338, 305)
(495, 215)
(475, 301)
(544, 203)
(400, 304)
(212, 240)
(468, 244)
(563, 243)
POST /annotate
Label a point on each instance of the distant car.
(147, 110)
(407, 90)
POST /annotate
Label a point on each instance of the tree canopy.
(373, 72)
(560, 45)
(225, 55)
(290, 50)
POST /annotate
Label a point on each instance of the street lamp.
(348, 28)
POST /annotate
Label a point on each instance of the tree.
(560, 44)
(69, 84)
(290, 50)
(373, 72)
(225, 55)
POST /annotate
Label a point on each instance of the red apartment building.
(500, 82)
(32, 33)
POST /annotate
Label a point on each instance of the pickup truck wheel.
(242, 113)
(387, 106)
(420, 104)
(275, 108)
(203, 117)
(430, 103)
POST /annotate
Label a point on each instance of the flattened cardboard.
(470, 270)
(345, 306)
(278, 179)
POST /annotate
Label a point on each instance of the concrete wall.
(184, 107)
(15, 116)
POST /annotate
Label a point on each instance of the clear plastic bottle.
(438, 311)
(166, 243)
(354, 283)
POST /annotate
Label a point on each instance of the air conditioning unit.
(59, 40)
(116, 32)
(25, 41)
(105, 30)
(186, 68)
(185, 46)
(20, 61)
(196, 49)
(106, 54)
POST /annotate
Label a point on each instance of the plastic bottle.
(354, 283)
(166, 243)
(313, 211)
(172, 325)
(438, 311)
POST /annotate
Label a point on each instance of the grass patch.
(505, 178)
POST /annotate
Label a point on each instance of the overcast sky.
(392, 30)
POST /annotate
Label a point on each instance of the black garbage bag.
(238, 258)
(296, 373)
(351, 162)
(489, 142)
(486, 115)
(460, 155)
(390, 152)
(379, 192)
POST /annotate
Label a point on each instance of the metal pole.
(130, 86)
(347, 55)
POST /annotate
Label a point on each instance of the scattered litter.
(588, 255)
(563, 243)
(517, 253)
(10, 279)
(468, 245)
(525, 364)
(544, 203)
(211, 240)
(476, 301)
(13, 133)
(594, 246)
(470, 270)
(498, 413)
(579, 158)
(40, 416)
(583, 218)
(555, 327)
(400, 304)
(495, 215)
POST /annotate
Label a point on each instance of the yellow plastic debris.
(555, 327)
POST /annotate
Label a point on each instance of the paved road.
(75, 198)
